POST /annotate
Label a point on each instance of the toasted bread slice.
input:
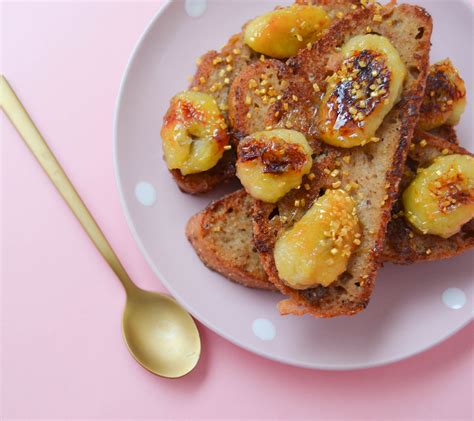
(375, 168)
(403, 244)
(222, 237)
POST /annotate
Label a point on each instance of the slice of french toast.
(222, 234)
(370, 173)
(404, 244)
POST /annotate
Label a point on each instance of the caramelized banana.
(283, 32)
(194, 133)
(316, 250)
(445, 97)
(362, 92)
(440, 200)
(272, 163)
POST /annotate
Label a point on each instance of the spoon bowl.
(160, 334)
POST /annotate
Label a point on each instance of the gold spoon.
(159, 333)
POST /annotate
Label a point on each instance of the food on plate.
(440, 199)
(194, 133)
(271, 163)
(445, 97)
(315, 107)
(283, 32)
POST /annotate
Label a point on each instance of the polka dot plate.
(412, 308)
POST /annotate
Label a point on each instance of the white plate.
(412, 308)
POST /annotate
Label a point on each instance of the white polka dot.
(454, 298)
(195, 8)
(145, 193)
(264, 329)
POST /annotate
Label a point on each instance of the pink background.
(62, 350)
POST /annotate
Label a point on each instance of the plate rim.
(162, 279)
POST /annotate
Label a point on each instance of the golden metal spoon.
(159, 333)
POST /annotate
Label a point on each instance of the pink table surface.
(61, 344)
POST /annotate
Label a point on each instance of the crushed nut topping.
(448, 191)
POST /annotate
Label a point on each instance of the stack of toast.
(236, 235)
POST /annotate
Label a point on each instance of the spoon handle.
(32, 137)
